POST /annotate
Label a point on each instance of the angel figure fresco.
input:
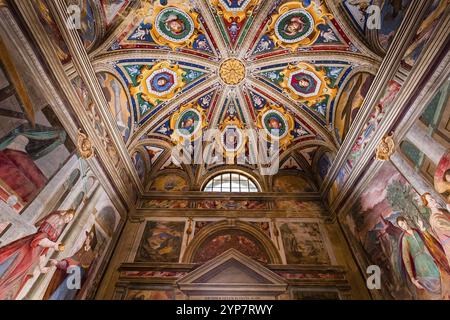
(60, 286)
(25, 257)
(423, 260)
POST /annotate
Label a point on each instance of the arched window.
(230, 182)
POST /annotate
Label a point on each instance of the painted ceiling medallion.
(295, 26)
(235, 10)
(174, 26)
(232, 71)
(159, 83)
(232, 137)
(187, 123)
(303, 82)
(277, 124)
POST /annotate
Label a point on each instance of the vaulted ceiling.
(304, 67)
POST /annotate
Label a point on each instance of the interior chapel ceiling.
(313, 69)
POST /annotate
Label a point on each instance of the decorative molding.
(385, 148)
(84, 146)
(387, 71)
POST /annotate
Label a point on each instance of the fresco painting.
(139, 164)
(113, 8)
(303, 243)
(392, 15)
(166, 204)
(88, 24)
(324, 163)
(350, 102)
(292, 183)
(24, 257)
(161, 242)
(224, 240)
(433, 17)
(32, 257)
(117, 99)
(169, 182)
(232, 205)
(373, 123)
(81, 261)
(52, 30)
(137, 224)
(150, 295)
(403, 236)
(33, 143)
(300, 206)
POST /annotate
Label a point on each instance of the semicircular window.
(230, 182)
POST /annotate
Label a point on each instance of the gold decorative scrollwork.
(385, 148)
(84, 146)
(273, 117)
(306, 84)
(175, 25)
(232, 138)
(235, 14)
(295, 26)
(160, 82)
(187, 123)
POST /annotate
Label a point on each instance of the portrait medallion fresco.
(187, 123)
(294, 26)
(175, 26)
(304, 83)
(277, 124)
(159, 82)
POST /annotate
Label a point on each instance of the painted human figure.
(174, 24)
(60, 286)
(231, 138)
(290, 240)
(259, 102)
(294, 26)
(20, 177)
(439, 222)
(20, 259)
(422, 258)
(274, 123)
(161, 82)
(202, 44)
(188, 124)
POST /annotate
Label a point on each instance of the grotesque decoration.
(385, 148)
(84, 146)
(187, 123)
(306, 84)
(160, 82)
(277, 125)
(232, 138)
(235, 10)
